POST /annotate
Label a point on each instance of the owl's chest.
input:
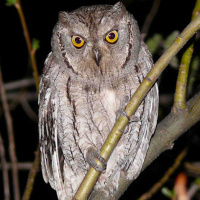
(110, 102)
(103, 108)
(95, 114)
(95, 111)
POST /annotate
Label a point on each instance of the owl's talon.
(133, 118)
(122, 112)
(125, 130)
(92, 156)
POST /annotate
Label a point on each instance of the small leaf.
(10, 2)
(174, 62)
(166, 192)
(197, 181)
(170, 39)
(193, 74)
(153, 43)
(36, 44)
(195, 63)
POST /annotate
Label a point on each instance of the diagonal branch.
(156, 187)
(31, 176)
(28, 41)
(168, 130)
(171, 128)
(32, 51)
(150, 17)
(92, 176)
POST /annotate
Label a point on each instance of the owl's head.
(96, 43)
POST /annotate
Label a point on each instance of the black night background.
(41, 16)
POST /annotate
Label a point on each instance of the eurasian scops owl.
(97, 62)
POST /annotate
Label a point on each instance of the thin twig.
(193, 168)
(20, 166)
(28, 41)
(5, 170)
(181, 85)
(166, 176)
(150, 17)
(32, 175)
(167, 131)
(19, 96)
(11, 139)
(92, 175)
(28, 110)
(19, 84)
(32, 51)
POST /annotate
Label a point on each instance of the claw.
(92, 156)
(132, 118)
(121, 111)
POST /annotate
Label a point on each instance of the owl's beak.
(97, 56)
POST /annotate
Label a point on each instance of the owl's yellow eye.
(77, 41)
(112, 37)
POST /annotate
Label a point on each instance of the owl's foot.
(133, 118)
(120, 112)
(92, 156)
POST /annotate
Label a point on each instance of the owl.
(97, 62)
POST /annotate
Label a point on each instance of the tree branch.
(5, 170)
(31, 50)
(19, 84)
(12, 152)
(32, 175)
(181, 84)
(20, 165)
(150, 17)
(92, 175)
(171, 128)
(168, 130)
(156, 187)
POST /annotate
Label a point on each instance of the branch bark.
(92, 175)
(4, 170)
(181, 84)
(168, 130)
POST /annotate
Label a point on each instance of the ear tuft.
(62, 16)
(119, 7)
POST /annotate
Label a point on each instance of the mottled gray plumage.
(82, 91)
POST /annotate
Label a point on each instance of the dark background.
(41, 17)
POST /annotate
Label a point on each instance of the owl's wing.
(51, 152)
(149, 116)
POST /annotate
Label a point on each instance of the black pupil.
(78, 40)
(111, 36)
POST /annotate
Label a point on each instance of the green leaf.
(36, 44)
(153, 43)
(170, 39)
(10, 2)
(166, 192)
(195, 63)
(197, 181)
(193, 73)
(174, 62)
